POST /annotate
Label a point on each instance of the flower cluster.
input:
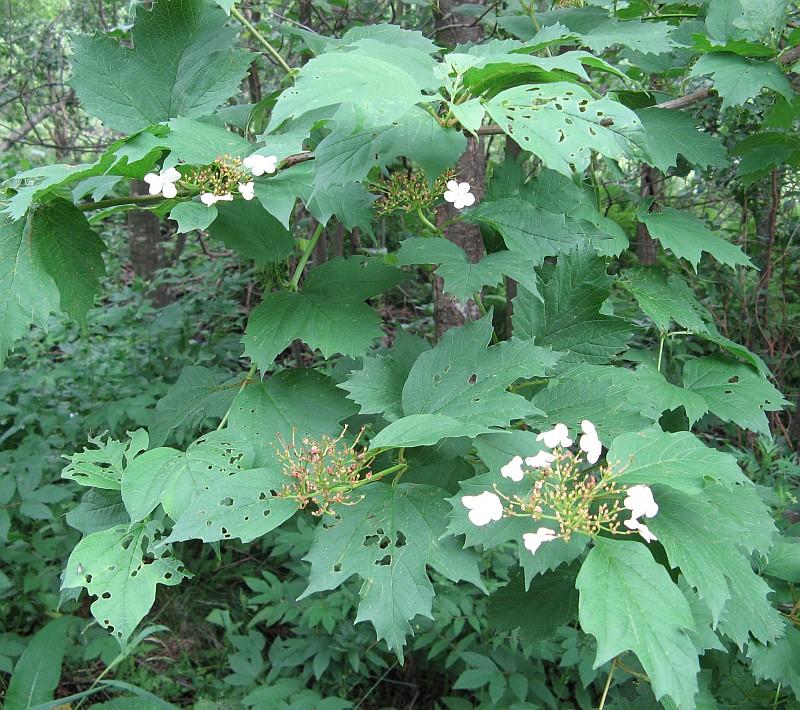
(227, 175)
(576, 498)
(324, 472)
(410, 192)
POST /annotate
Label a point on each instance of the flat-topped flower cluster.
(570, 489)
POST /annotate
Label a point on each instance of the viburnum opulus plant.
(419, 456)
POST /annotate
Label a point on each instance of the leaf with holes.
(678, 460)
(462, 383)
(182, 64)
(463, 278)
(734, 392)
(102, 467)
(246, 505)
(329, 312)
(657, 395)
(289, 406)
(388, 540)
(119, 568)
(629, 603)
(172, 478)
(563, 123)
(567, 317)
(687, 237)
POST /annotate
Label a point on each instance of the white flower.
(209, 198)
(643, 530)
(534, 540)
(589, 442)
(484, 508)
(639, 501)
(458, 193)
(513, 469)
(247, 189)
(557, 436)
(163, 183)
(542, 460)
(260, 164)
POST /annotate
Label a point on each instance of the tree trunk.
(652, 185)
(454, 29)
(146, 253)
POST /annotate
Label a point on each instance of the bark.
(652, 185)
(145, 250)
(448, 312)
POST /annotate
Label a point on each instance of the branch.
(32, 122)
(789, 55)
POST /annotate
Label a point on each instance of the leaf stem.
(298, 272)
(114, 201)
(660, 350)
(261, 39)
(482, 310)
(430, 225)
(249, 376)
(607, 685)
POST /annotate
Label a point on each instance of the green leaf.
(117, 566)
(98, 510)
(629, 603)
(784, 559)
(197, 395)
(738, 79)
(568, 317)
(351, 204)
(182, 64)
(463, 278)
(734, 392)
(463, 380)
(678, 460)
(375, 88)
(246, 505)
(662, 396)
(687, 237)
(665, 298)
(291, 404)
(728, 20)
(530, 231)
(172, 478)
(563, 123)
(28, 294)
(552, 601)
(378, 386)
(328, 313)
(71, 253)
(388, 540)
(38, 670)
(253, 232)
(200, 142)
(670, 133)
(761, 152)
(601, 393)
(719, 569)
(279, 194)
(778, 661)
(192, 216)
(102, 467)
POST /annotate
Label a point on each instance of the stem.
(298, 272)
(661, 350)
(245, 382)
(607, 685)
(261, 39)
(426, 221)
(114, 201)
